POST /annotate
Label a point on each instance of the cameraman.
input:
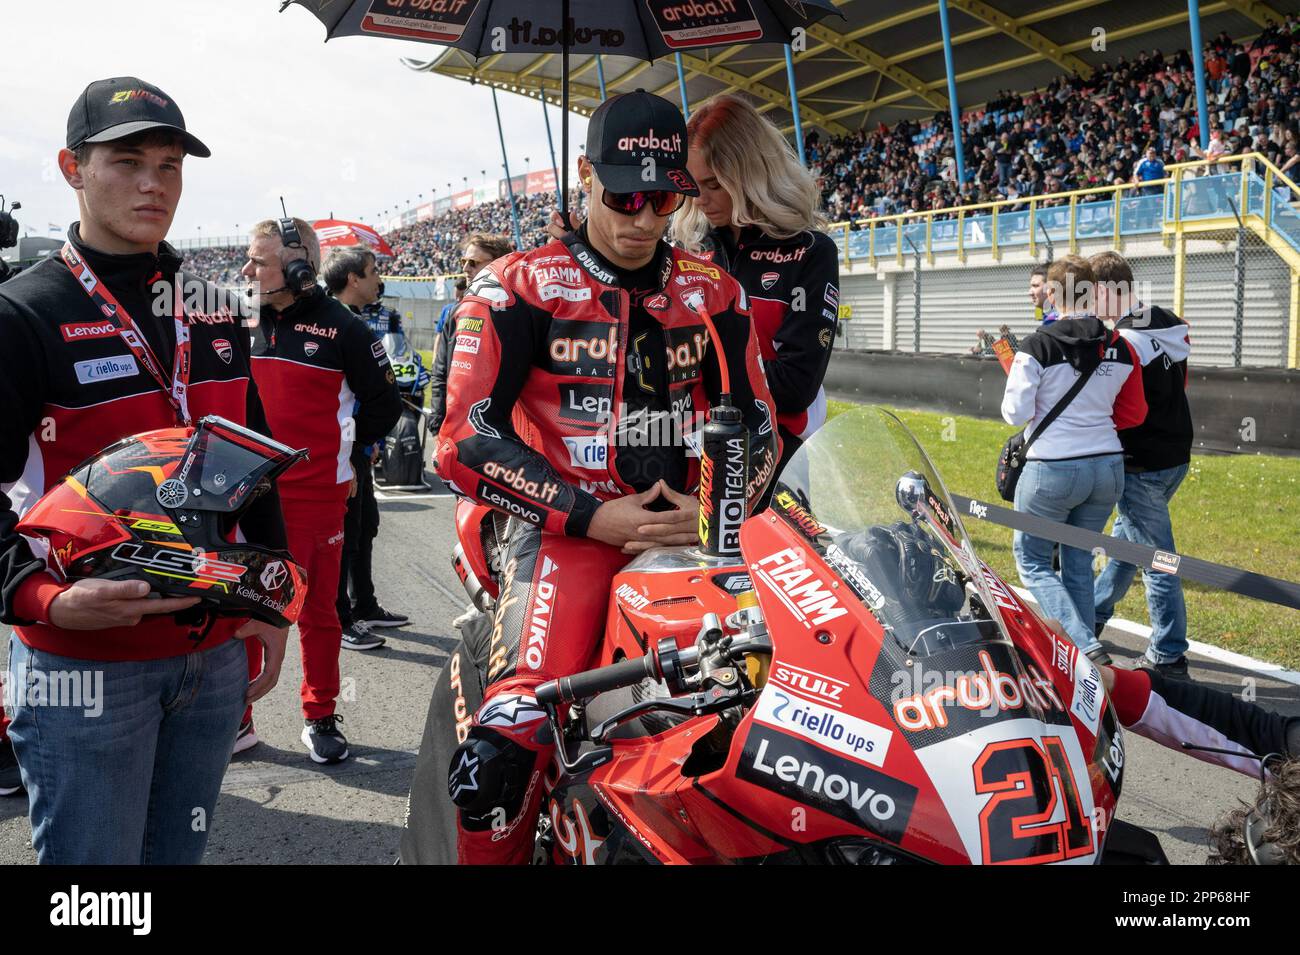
(312, 358)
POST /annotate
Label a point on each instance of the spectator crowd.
(1074, 134)
(1122, 124)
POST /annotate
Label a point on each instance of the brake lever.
(712, 700)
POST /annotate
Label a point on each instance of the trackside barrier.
(1234, 580)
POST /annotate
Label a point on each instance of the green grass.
(1237, 510)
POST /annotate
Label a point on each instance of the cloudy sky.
(341, 127)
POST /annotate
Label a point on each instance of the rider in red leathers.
(579, 374)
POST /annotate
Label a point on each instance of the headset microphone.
(299, 275)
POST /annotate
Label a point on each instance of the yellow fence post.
(961, 235)
(1116, 236)
(994, 250)
(929, 230)
(1033, 228)
(1268, 198)
(1074, 218)
(1243, 206)
(871, 242)
(899, 256)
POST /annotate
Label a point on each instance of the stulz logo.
(628, 595)
(804, 594)
(543, 601)
(81, 331)
(848, 790)
(74, 907)
(809, 683)
(855, 738)
(649, 140)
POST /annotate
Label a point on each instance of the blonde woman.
(757, 213)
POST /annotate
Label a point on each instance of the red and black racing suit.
(572, 383)
(793, 286)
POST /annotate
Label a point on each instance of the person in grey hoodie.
(1157, 454)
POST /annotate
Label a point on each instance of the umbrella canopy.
(642, 29)
(335, 232)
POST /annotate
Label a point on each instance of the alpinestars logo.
(511, 709)
(464, 776)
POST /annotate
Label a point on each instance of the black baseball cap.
(627, 128)
(121, 106)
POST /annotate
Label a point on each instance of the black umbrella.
(641, 29)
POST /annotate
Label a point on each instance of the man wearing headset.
(314, 361)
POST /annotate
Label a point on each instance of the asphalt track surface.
(277, 806)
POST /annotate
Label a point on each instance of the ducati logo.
(768, 279)
(274, 575)
(109, 309)
(223, 349)
(310, 348)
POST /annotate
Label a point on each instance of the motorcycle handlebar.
(600, 680)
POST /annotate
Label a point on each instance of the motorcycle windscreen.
(857, 488)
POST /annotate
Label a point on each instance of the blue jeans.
(123, 760)
(1079, 492)
(1144, 519)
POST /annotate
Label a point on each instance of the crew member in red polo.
(314, 362)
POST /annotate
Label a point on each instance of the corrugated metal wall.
(957, 302)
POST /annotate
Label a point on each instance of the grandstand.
(928, 260)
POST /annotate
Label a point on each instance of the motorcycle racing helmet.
(163, 507)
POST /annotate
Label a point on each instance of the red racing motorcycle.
(855, 686)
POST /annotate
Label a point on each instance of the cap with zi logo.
(630, 128)
(118, 107)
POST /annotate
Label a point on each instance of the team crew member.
(591, 344)
(312, 359)
(757, 211)
(350, 276)
(99, 344)
(480, 249)
(1044, 310)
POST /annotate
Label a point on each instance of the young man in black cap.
(99, 344)
(579, 375)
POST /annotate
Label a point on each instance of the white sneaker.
(359, 637)
(246, 739)
(470, 613)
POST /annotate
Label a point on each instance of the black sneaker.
(325, 744)
(358, 637)
(1099, 656)
(377, 616)
(246, 739)
(11, 780)
(1174, 670)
